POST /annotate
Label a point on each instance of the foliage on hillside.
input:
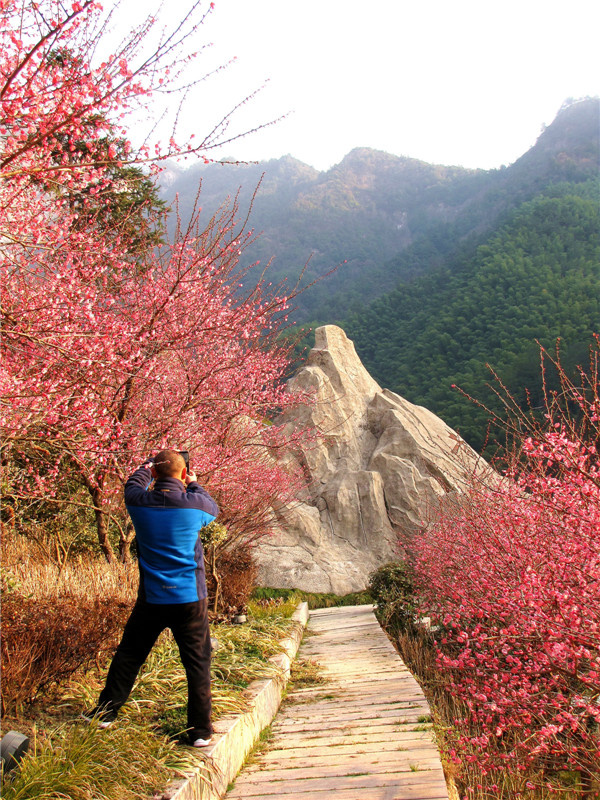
(356, 217)
(537, 278)
(381, 218)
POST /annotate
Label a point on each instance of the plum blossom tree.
(111, 350)
(512, 574)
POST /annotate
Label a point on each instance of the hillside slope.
(382, 218)
(538, 277)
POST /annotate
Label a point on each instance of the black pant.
(189, 623)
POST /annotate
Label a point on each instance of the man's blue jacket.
(167, 520)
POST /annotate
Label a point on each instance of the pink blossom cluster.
(512, 576)
(107, 357)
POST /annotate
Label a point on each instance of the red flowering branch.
(512, 574)
(111, 352)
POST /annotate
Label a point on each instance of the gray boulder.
(380, 465)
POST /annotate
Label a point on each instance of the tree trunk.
(217, 579)
(102, 527)
(125, 543)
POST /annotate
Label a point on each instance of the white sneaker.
(103, 719)
(202, 742)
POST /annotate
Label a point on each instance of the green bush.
(392, 589)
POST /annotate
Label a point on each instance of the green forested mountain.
(380, 218)
(538, 277)
(356, 217)
(442, 269)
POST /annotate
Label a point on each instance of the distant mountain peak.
(568, 148)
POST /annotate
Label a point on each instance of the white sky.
(468, 82)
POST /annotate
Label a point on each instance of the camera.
(185, 454)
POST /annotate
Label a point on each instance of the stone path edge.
(236, 735)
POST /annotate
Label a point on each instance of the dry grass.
(74, 761)
(44, 642)
(238, 571)
(57, 621)
(305, 673)
(25, 570)
(81, 762)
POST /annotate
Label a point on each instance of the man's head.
(169, 464)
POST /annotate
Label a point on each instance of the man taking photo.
(172, 592)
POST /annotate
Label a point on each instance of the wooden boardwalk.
(364, 734)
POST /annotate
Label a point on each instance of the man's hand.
(190, 476)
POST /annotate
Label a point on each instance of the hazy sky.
(467, 82)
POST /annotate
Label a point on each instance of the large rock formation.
(379, 466)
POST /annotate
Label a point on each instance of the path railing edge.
(237, 734)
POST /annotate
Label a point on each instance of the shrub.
(237, 571)
(513, 575)
(45, 641)
(391, 588)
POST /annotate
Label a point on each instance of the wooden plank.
(371, 703)
(430, 779)
(359, 690)
(401, 716)
(409, 701)
(344, 768)
(364, 683)
(379, 693)
(312, 752)
(350, 671)
(375, 735)
(344, 727)
(364, 793)
(377, 760)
